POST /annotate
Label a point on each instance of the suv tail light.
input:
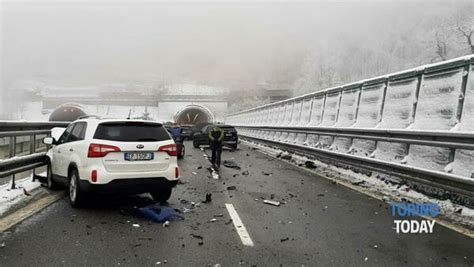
(99, 150)
(171, 149)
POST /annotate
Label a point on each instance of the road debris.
(232, 187)
(284, 239)
(195, 173)
(245, 173)
(310, 164)
(199, 167)
(231, 164)
(26, 192)
(208, 198)
(197, 236)
(136, 225)
(267, 173)
(213, 220)
(166, 224)
(159, 213)
(358, 183)
(271, 202)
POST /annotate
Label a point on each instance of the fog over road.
(319, 223)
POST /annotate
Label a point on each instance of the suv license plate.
(139, 156)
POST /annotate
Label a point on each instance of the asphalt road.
(318, 224)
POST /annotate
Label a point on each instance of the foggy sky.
(227, 44)
(87, 42)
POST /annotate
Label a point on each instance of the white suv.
(114, 156)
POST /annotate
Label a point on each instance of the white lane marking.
(239, 226)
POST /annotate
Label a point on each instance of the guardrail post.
(33, 148)
(12, 153)
(465, 79)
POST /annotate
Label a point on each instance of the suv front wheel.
(50, 182)
(76, 196)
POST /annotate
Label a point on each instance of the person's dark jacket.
(216, 135)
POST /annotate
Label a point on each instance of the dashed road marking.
(239, 226)
(27, 211)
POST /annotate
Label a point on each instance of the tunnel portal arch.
(67, 112)
(193, 114)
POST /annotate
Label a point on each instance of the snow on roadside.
(10, 197)
(387, 191)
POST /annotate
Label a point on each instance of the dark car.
(187, 131)
(176, 133)
(196, 128)
(201, 137)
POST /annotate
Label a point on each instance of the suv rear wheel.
(76, 196)
(162, 195)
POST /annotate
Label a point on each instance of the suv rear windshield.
(228, 128)
(131, 132)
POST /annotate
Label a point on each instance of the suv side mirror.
(48, 141)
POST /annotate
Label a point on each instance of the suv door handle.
(71, 149)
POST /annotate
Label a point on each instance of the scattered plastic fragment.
(358, 183)
(267, 173)
(26, 192)
(135, 225)
(197, 236)
(271, 202)
(213, 220)
(195, 173)
(208, 198)
(166, 224)
(310, 164)
(231, 164)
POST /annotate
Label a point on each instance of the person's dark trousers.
(216, 154)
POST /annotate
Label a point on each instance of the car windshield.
(131, 132)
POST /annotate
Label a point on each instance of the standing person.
(216, 136)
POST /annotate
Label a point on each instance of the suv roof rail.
(88, 116)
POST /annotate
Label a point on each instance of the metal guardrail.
(16, 164)
(417, 124)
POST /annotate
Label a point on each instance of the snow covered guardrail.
(417, 124)
(19, 146)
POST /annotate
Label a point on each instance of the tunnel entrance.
(193, 114)
(67, 112)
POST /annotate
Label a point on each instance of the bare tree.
(467, 33)
(441, 47)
